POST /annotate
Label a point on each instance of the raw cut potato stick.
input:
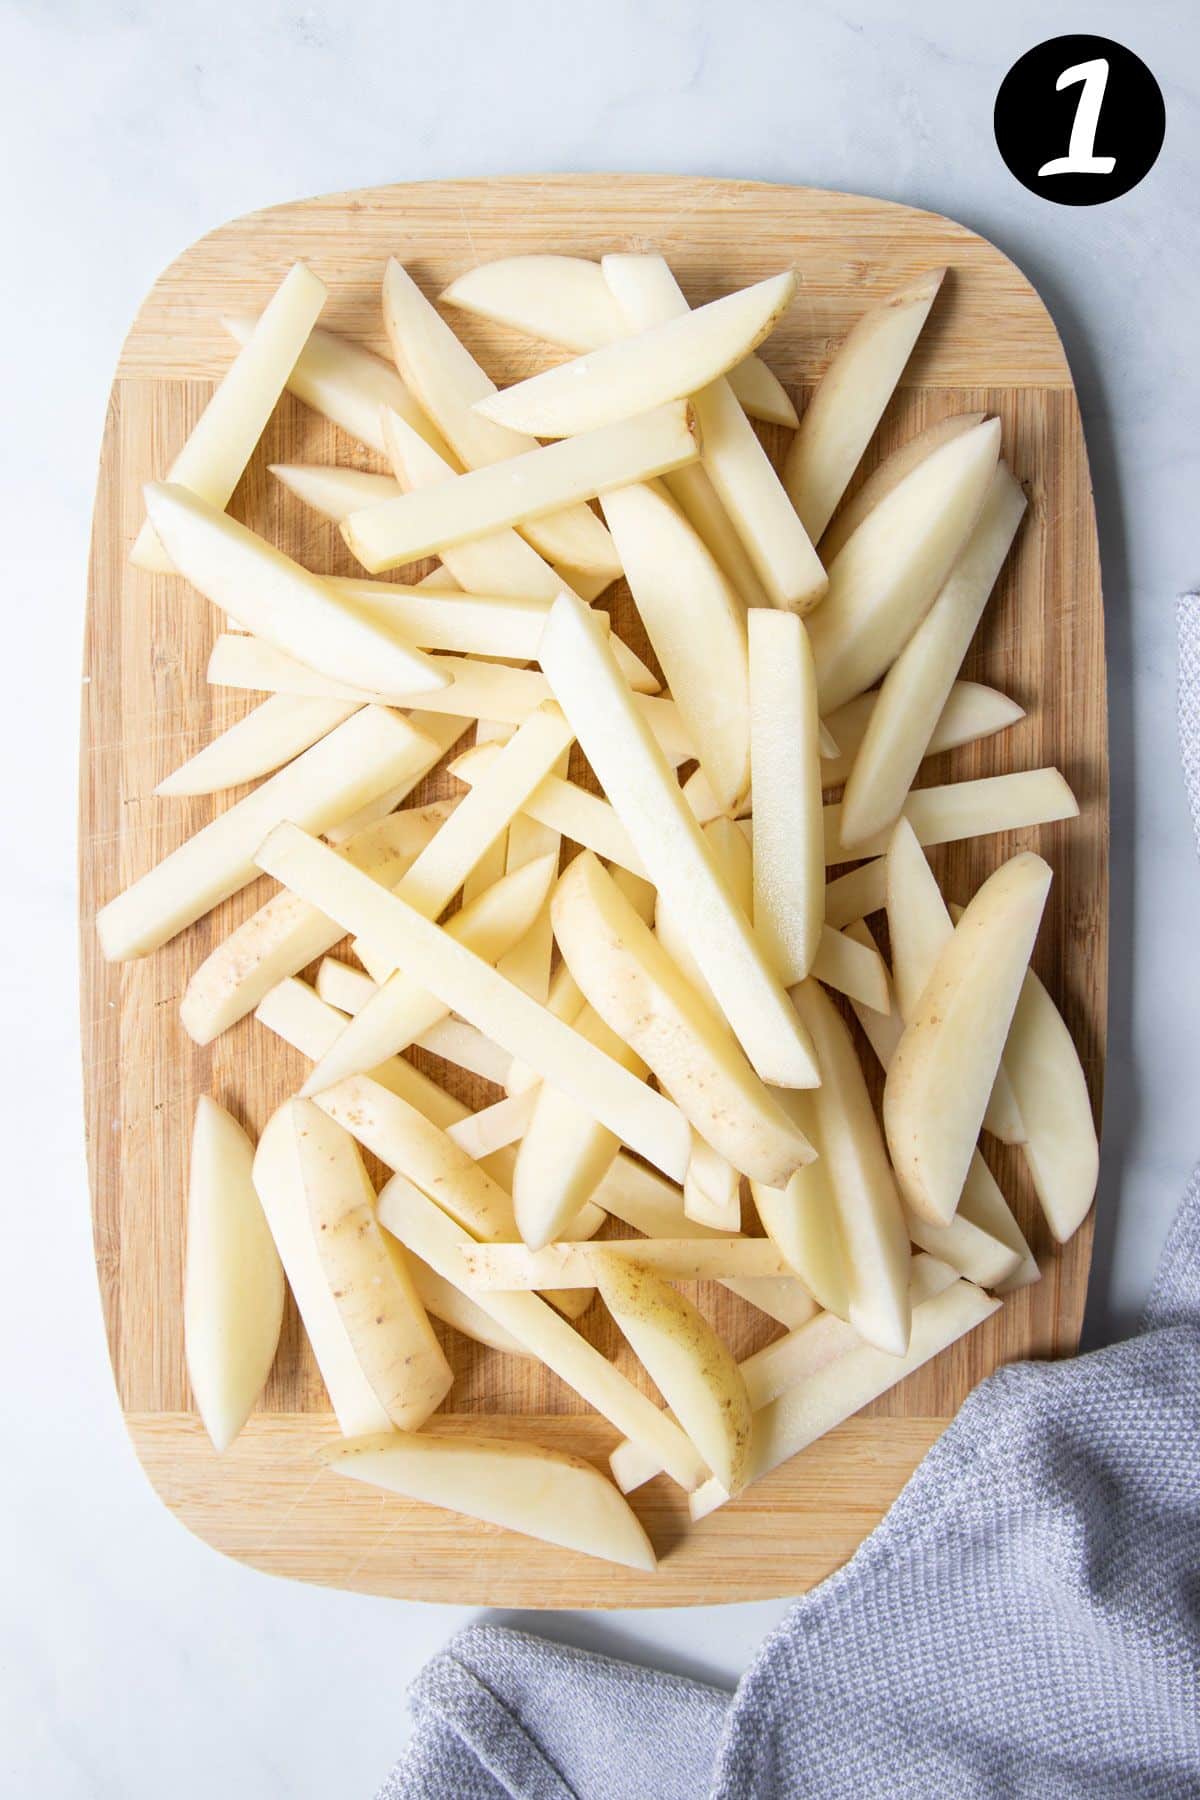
(835, 1393)
(272, 734)
(523, 1487)
(854, 969)
(529, 961)
(443, 732)
(341, 986)
(493, 1127)
(1047, 1077)
(488, 926)
(388, 1328)
(712, 1189)
(472, 690)
(222, 441)
(279, 1183)
(511, 1268)
(734, 460)
(803, 1219)
(349, 990)
(804, 1352)
(697, 629)
(983, 1240)
(670, 845)
(789, 837)
(920, 926)
(470, 624)
(856, 894)
(840, 419)
(674, 359)
(334, 492)
(347, 384)
(692, 1368)
(888, 574)
(918, 684)
(443, 1301)
(424, 1229)
(971, 711)
(942, 1073)
(565, 300)
(640, 994)
(286, 934)
(297, 613)
(964, 809)
(448, 381)
(565, 807)
(523, 488)
(889, 474)
(233, 1283)
(370, 752)
(468, 986)
(873, 1232)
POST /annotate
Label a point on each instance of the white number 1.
(1081, 158)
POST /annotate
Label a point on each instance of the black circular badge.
(1079, 120)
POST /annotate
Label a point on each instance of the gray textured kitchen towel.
(1024, 1622)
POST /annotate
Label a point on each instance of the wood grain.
(146, 706)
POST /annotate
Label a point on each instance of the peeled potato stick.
(286, 934)
(565, 807)
(840, 419)
(222, 441)
(712, 1189)
(680, 357)
(424, 1229)
(1048, 1081)
(964, 809)
(971, 711)
(804, 1352)
(750, 492)
(274, 733)
(522, 488)
(493, 1127)
(442, 732)
(835, 1393)
(459, 1043)
(448, 381)
(854, 969)
(334, 492)
(789, 846)
(442, 1300)
(347, 384)
(888, 574)
(888, 474)
(505, 1268)
(566, 300)
(296, 612)
(670, 845)
(367, 754)
(856, 894)
(945, 1064)
(469, 987)
(916, 687)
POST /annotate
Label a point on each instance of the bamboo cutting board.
(990, 344)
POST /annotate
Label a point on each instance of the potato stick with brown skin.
(468, 986)
(431, 1234)
(840, 419)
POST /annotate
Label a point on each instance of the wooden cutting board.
(990, 344)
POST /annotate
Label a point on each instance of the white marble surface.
(134, 1660)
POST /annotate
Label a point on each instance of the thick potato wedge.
(971, 711)
(742, 475)
(565, 300)
(888, 574)
(431, 1234)
(822, 1400)
(285, 606)
(523, 488)
(388, 1328)
(233, 1285)
(447, 381)
(371, 752)
(347, 384)
(888, 475)
(873, 1233)
(945, 1064)
(280, 729)
(840, 419)
(222, 441)
(637, 373)
(697, 628)
(1052, 1098)
(638, 991)
(693, 1370)
(918, 684)
(789, 832)
(669, 843)
(467, 985)
(541, 1493)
